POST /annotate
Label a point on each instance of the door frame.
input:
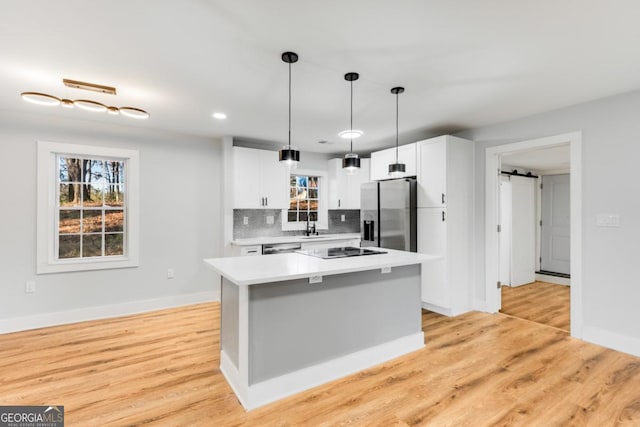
(492, 215)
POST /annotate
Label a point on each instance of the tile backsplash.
(268, 223)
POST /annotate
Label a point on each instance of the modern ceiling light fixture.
(289, 156)
(397, 169)
(85, 104)
(351, 161)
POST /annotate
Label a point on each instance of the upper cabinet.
(380, 161)
(344, 189)
(259, 180)
(444, 163)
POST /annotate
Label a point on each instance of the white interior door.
(523, 232)
(505, 230)
(555, 232)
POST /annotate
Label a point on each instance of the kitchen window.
(87, 208)
(307, 200)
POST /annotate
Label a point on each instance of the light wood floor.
(540, 302)
(476, 370)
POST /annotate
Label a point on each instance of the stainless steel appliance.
(388, 211)
(340, 252)
(280, 248)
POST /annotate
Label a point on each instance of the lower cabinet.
(446, 282)
(246, 250)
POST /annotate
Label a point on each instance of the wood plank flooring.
(478, 369)
(540, 302)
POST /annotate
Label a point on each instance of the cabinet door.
(274, 181)
(337, 183)
(352, 187)
(432, 240)
(407, 155)
(432, 173)
(380, 161)
(247, 178)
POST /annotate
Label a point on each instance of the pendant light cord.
(289, 106)
(396, 128)
(351, 118)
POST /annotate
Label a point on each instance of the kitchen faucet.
(311, 230)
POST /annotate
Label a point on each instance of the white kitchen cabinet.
(252, 250)
(445, 222)
(344, 189)
(380, 161)
(259, 180)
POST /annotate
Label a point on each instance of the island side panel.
(229, 322)
(295, 324)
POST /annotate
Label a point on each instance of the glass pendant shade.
(397, 170)
(351, 163)
(289, 157)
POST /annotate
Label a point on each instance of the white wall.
(611, 147)
(180, 221)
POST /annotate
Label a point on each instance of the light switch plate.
(343, 218)
(608, 220)
(269, 219)
(245, 220)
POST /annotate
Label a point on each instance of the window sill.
(88, 265)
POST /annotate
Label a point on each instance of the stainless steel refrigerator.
(388, 214)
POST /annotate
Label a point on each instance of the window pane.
(313, 181)
(313, 193)
(91, 221)
(302, 194)
(70, 195)
(302, 181)
(292, 216)
(69, 246)
(292, 180)
(113, 244)
(92, 195)
(69, 221)
(96, 172)
(293, 204)
(304, 205)
(303, 216)
(313, 216)
(91, 245)
(114, 220)
(313, 205)
(293, 192)
(114, 195)
(70, 169)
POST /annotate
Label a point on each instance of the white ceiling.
(464, 63)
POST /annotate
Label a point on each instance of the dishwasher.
(280, 248)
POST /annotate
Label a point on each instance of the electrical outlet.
(30, 287)
(386, 270)
(269, 219)
(343, 218)
(171, 273)
(315, 279)
(245, 220)
(608, 220)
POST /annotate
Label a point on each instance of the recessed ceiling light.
(40, 98)
(219, 116)
(350, 134)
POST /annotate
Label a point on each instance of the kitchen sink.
(315, 237)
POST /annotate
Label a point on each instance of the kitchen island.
(291, 321)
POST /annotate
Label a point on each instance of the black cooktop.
(340, 252)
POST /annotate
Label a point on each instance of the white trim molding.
(47, 261)
(44, 320)
(492, 273)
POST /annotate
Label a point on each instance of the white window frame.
(323, 188)
(47, 261)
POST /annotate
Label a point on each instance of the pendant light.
(351, 161)
(289, 156)
(397, 169)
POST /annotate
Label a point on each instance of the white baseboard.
(256, 395)
(17, 324)
(553, 279)
(445, 311)
(612, 340)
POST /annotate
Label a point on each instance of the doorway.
(493, 271)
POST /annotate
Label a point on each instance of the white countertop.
(294, 239)
(251, 270)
